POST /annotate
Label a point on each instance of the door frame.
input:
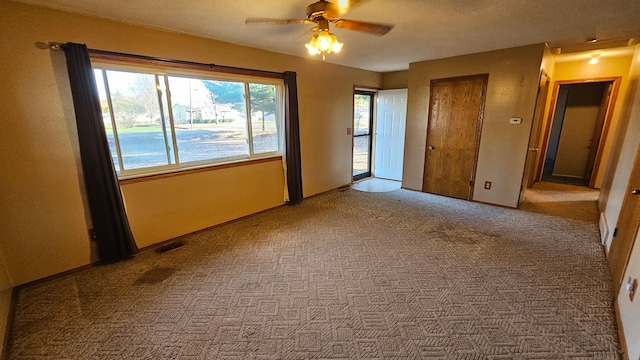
(372, 93)
(533, 150)
(478, 132)
(605, 127)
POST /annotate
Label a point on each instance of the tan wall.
(606, 67)
(167, 208)
(395, 80)
(44, 225)
(619, 169)
(513, 81)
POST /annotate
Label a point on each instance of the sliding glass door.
(362, 125)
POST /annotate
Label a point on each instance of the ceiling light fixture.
(323, 42)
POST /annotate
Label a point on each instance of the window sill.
(193, 170)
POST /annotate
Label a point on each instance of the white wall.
(511, 92)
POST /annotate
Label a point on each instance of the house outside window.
(160, 121)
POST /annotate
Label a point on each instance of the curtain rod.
(59, 46)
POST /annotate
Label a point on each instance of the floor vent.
(170, 247)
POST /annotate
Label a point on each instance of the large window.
(158, 121)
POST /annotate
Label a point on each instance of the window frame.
(159, 69)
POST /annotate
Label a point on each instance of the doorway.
(363, 102)
(456, 109)
(577, 131)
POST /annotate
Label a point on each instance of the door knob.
(635, 191)
(431, 147)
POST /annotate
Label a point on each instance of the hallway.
(568, 201)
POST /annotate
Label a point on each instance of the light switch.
(515, 121)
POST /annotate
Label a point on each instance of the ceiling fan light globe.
(323, 41)
(311, 48)
(336, 47)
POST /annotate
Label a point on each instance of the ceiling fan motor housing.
(322, 10)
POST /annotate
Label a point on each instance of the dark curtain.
(111, 227)
(292, 138)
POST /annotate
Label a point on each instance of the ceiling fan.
(322, 13)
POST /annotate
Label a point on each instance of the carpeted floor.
(347, 274)
(569, 201)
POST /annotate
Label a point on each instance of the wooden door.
(626, 228)
(456, 108)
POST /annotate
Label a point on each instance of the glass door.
(362, 125)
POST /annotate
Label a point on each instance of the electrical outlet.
(487, 185)
(348, 131)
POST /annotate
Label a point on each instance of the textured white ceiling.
(424, 29)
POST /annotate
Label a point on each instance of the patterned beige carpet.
(347, 274)
(575, 202)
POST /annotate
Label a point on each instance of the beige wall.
(167, 208)
(513, 81)
(44, 228)
(606, 67)
(395, 80)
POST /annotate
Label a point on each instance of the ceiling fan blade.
(276, 21)
(367, 27)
